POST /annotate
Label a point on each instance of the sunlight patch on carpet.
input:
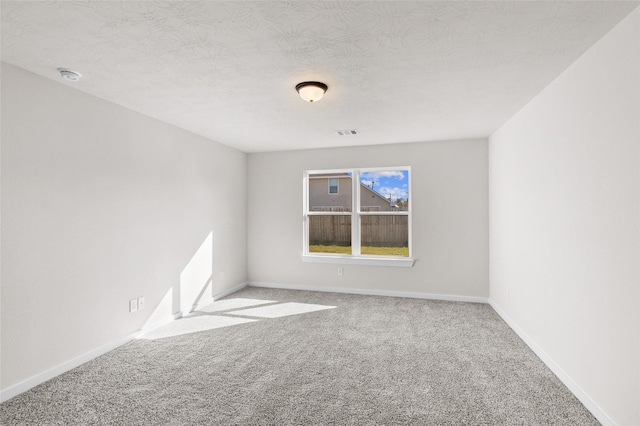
(227, 304)
(193, 325)
(280, 310)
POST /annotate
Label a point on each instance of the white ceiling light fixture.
(69, 75)
(311, 91)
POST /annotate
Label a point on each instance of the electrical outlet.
(133, 305)
(140, 303)
(340, 271)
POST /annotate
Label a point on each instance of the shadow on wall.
(195, 285)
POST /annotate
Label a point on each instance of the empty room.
(320, 213)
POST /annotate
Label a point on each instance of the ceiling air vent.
(347, 132)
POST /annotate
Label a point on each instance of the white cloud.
(395, 193)
(383, 174)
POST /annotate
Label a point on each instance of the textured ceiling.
(397, 71)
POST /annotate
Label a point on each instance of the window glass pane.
(384, 190)
(384, 235)
(330, 234)
(320, 198)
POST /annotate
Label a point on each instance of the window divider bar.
(355, 218)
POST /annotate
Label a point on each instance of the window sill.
(402, 262)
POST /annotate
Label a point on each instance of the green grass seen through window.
(365, 250)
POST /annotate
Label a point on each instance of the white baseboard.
(150, 327)
(589, 404)
(39, 378)
(369, 292)
(11, 391)
(210, 299)
(201, 303)
(229, 291)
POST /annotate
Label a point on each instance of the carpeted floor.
(279, 357)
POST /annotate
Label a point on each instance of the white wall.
(101, 205)
(450, 218)
(565, 223)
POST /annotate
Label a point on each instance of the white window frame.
(356, 257)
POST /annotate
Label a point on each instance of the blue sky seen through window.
(393, 183)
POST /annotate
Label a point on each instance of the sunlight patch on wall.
(162, 312)
(195, 279)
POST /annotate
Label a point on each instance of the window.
(333, 186)
(368, 222)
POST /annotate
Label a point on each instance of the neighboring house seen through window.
(368, 218)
